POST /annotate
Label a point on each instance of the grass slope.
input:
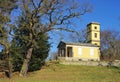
(70, 73)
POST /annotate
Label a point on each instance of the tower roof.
(93, 23)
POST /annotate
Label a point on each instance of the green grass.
(70, 73)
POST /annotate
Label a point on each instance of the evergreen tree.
(20, 44)
(40, 53)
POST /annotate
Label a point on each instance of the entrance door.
(69, 52)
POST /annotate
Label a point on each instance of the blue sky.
(106, 12)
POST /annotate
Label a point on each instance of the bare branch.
(33, 4)
(40, 3)
(65, 29)
(6, 45)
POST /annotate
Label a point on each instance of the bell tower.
(93, 33)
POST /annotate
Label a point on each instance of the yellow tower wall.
(92, 29)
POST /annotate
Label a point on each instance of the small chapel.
(82, 51)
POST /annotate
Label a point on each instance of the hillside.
(69, 73)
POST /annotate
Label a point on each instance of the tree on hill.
(110, 44)
(42, 16)
(6, 6)
(40, 52)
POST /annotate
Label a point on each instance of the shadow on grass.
(115, 68)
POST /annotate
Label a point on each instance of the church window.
(95, 27)
(95, 35)
(80, 51)
(91, 51)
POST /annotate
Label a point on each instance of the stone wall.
(76, 59)
(92, 63)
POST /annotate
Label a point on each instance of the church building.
(82, 51)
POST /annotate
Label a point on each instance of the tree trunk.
(9, 64)
(10, 68)
(25, 65)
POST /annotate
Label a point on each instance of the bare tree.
(42, 16)
(80, 36)
(54, 55)
(110, 44)
(6, 6)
